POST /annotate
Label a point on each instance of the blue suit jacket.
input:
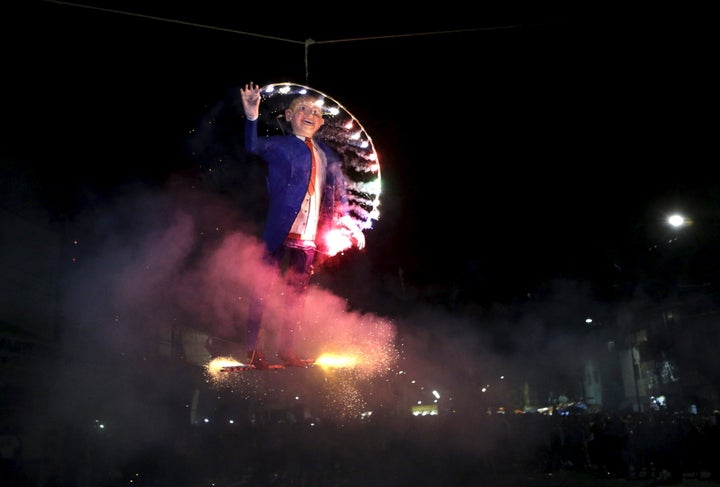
(289, 164)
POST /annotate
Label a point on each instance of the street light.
(676, 220)
(656, 272)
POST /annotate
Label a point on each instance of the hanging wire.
(307, 43)
(174, 21)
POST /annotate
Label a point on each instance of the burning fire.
(220, 365)
(337, 240)
(332, 361)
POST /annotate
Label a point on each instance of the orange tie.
(311, 188)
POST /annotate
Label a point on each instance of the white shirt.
(307, 219)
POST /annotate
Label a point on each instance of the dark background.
(516, 144)
(529, 157)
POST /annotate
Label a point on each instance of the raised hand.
(250, 95)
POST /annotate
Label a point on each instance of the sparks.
(337, 240)
(332, 361)
(221, 364)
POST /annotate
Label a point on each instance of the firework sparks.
(332, 361)
(337, 240)
(217, 369)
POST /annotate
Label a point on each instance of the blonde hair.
(297, 101)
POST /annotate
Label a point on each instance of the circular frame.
(343, 133)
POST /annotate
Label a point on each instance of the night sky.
(529, 157)
(516, 145)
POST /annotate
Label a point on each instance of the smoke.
(183, 258)
(157, 268)
(160, 277)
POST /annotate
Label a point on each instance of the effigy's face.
(305, 116)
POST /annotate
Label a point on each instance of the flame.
(220, 364)
(337, 240)
(333, 361)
